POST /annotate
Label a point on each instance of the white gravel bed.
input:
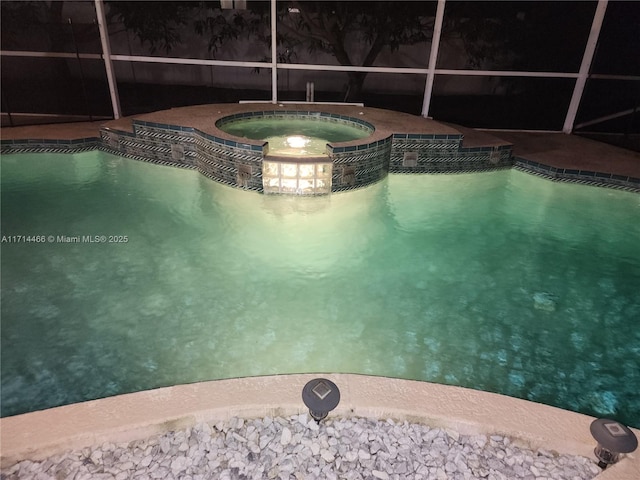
(297, 448)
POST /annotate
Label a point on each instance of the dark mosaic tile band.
(586, 177)
(444, 154)
(230, 165)
(360, 168)
(49, 146)
(104, 148)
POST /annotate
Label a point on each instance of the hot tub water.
(304, 136)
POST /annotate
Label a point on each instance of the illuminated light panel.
(289, 169)
(270, 168)
(290, 183)
(297, 178)
(296, 146)
(305, 185)
(272, 182)
(306, 171)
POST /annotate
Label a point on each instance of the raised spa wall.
(356, 164)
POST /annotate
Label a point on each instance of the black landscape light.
(613, 439)
(320, 396)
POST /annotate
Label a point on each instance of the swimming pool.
(499, 281)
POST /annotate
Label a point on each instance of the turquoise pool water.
(295, 137)
(498, 281)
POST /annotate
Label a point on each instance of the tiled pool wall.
(586, 177)
(428, 153)
(360, 165)
(229, 163)
(239, 163)
(50, 146)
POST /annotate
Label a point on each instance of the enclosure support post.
(274, 54)
(585, 66)
(433, 57)
(106, 55)
(6, 104)
(82, 82)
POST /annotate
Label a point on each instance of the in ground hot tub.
(298, 153)
(296, 134)
(277, 149)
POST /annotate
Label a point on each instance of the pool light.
(613, 439)
(297, 141)
(296, 178)
(320, 396)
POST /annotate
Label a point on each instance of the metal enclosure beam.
(274, 54)
(585, 66)
(581, 77)
(106, 54)
(433, 57)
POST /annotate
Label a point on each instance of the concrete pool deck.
(136, 416)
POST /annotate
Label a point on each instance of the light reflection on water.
(295, 137)
(498, 281)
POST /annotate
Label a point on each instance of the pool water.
(498, 281)
(295, 137)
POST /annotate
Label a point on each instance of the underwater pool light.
(296, 178)
(297, 141)
(613, 439)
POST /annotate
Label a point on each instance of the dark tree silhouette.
(494, 34)
(334, 27)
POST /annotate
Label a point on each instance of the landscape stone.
(299, 448)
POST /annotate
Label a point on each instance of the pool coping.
(135, 416)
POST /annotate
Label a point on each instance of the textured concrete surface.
(570, 151)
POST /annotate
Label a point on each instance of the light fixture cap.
(321, 395)
(613, 436)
